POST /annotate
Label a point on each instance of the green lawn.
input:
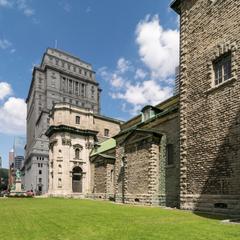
(86, 219)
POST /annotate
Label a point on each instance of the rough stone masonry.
(209, 105)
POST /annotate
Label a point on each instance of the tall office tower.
(11, 158)
(18, 146)
(60, 77)
(11, 167)
(18, 161)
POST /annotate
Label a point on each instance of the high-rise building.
(11, 167)
(18, 161)
(0, 162)
(60, 77)
(18, 146)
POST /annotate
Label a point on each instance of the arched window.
(77, 153)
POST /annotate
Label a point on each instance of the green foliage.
(73, 219)
(3, 178)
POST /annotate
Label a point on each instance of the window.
(59, 168)
(40, 172)
(77, 120)
(40, 180)
(76, 88)
(70, 86)
(39, 164)
(76, 102)
(59, 182)
(106, 132)
(77, 153)
(222, 69)
(93, 91)
(170, 157)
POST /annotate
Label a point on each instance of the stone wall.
(210, 115)
(142, 175)
(100, 178)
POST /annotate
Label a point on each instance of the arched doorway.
(77, 179)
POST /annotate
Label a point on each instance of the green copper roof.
(104, 146)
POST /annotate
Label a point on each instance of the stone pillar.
(118, 174)
(162, 171)
(153, 172)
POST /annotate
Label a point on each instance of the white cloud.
(151, 81)
(67, 7)
(88, 9)
(23, 6)
(5, 90)
(115, 78)
(147, 92)
(5, 3)
(13, 116)
(13, 50)
(158, 47)
(123, 65)
(140, 74)
(117, 81)
(4, 43)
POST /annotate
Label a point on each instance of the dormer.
(149, 111)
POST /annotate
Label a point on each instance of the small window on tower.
(77, 120)
(106, 132)
(222, 69)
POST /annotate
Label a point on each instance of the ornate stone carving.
(66, 141)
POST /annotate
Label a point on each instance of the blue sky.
(132, 45)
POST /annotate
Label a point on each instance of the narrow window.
(77, 153)
(222, 69)
(59, 182)
(77, 120)
(76, 88)
(106, 132)
(170, 156)
(40, 180)
(40, 172)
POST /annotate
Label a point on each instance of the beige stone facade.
(73, 133)
(210, 105)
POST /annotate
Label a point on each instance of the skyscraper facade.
(60, 77)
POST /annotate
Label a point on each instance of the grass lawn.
(86, 219)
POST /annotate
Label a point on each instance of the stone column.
(153, 172)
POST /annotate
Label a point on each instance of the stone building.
(209, 105)
(60, 77)
(73, 133)
(102, 161)
(143, 167)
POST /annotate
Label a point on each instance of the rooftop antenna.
(56, 43)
